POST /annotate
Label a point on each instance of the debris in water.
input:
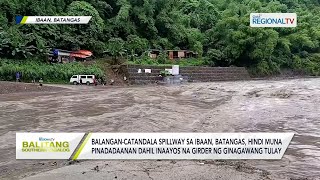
(96, 168)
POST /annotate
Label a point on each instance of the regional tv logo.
(273, 20)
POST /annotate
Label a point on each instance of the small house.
(153, 53)
(173, 54)
(177, 54)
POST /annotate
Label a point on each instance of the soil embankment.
(17, 87)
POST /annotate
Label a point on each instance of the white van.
(86, 79)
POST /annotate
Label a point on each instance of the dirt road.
(243, 106)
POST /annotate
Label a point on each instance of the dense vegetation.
(33, 70)
(217, 29)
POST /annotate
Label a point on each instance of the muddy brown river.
(242, 106)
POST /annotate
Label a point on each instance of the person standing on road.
(40, 82)
(103, 82)
(111, 82)
(80, 81)
(18, 76)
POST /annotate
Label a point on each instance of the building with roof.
(64, 56)
(173, 54)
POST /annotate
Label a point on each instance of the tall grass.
(48, 72)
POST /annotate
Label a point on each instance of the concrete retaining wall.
(192, 73)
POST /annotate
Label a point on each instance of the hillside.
(217, 29)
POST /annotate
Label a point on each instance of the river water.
(273, 106)
(241, 106)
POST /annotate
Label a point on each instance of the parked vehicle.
(83, 79)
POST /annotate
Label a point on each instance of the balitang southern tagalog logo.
(45, 144)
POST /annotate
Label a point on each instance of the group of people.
(101, 80)
(19, 75)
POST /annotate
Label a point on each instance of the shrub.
(48, 72)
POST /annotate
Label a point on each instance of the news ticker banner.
(53, 19)
(273, 20)
(152, 145)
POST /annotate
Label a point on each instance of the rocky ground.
(242, 106)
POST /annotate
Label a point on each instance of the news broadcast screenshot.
(160, 90)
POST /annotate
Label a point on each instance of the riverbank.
(50, 73)
(7, 87)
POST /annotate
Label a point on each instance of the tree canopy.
(217, 29)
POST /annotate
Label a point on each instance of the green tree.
(217, 29)
(85, 35)
(136, 45)
(115, 47)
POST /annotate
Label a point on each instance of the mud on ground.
(16, 87)
(242, 106)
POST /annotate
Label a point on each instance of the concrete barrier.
(192, 73)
